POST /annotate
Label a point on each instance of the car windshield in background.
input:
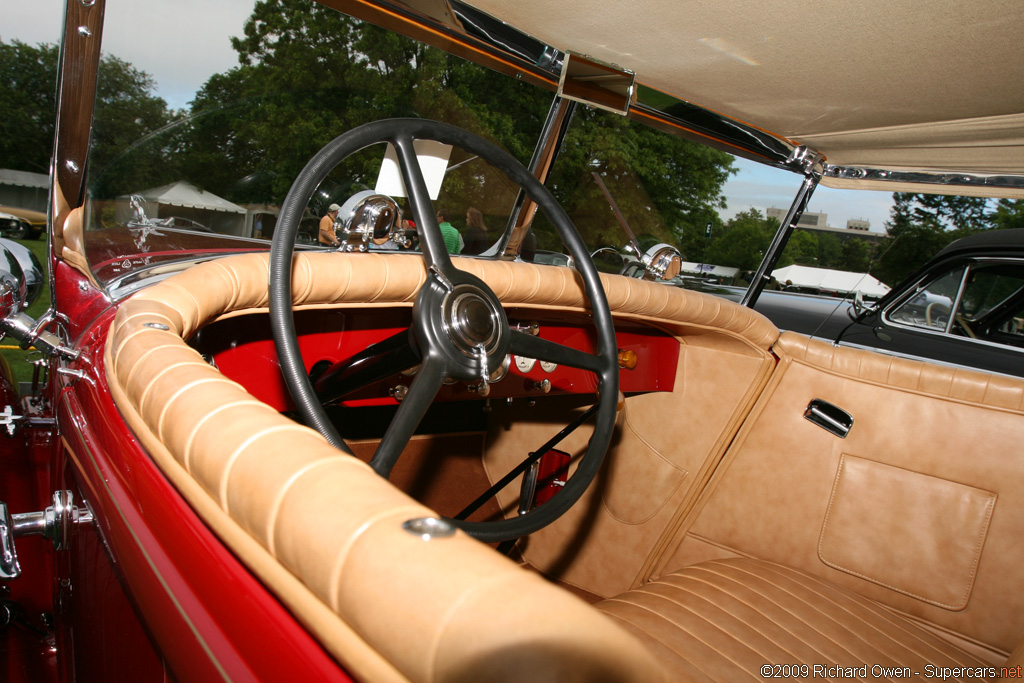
(988, 300)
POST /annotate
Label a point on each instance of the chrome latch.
(9, 420)
(58, 523)
(12, 422)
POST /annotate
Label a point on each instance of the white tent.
(24, 189)
(708, 269)
(826, 280)
(184, 200)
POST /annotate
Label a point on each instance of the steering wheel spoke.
(410, 413)
(529, 346)
(431, 242)
(376, 362)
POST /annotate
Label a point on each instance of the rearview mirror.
(597, 83)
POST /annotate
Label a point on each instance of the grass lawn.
(12, 353)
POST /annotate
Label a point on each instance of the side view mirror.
(612, 260)
(31, 269)
(859, 308)
(14, 321)
(13, 286)
(662, 262)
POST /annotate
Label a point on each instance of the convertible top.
(932, 86)
(1000, 242)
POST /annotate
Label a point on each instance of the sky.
(148, 43)
(764, 187)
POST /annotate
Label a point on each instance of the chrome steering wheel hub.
(472, 320)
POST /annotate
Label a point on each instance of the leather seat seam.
(680, 628)
(874, 609)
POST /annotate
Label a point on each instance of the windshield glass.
(207, 173)
(211, 177)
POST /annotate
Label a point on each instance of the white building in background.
(818, 222)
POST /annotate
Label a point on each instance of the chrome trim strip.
(739, 138)
(954, 181)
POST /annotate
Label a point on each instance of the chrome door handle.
(831, 418)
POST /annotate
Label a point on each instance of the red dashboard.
(243, 350)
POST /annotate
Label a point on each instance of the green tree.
(920, 225)
(126, 111)
(855, 256)
(830, 248)
(694, 241)
(801, 249)
(743, 240)
(306, 75)
(965, 214)
(665, 187)
(28, 90)
(1009, 213)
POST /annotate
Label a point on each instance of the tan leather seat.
(725, 619)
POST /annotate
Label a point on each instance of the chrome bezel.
(456, 324)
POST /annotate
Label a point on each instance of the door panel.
(920, 507)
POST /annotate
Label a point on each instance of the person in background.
(476, 232)
(452, 239)
(326, 235)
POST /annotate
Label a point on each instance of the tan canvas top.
(931, 85)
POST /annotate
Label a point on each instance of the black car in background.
(965, 307)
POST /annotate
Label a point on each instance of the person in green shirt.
(452, 238)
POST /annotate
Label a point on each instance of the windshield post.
(78, 63)
(778, 245)
(551, 136)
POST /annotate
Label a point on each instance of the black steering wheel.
(459, 327)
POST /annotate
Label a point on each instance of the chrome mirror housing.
(368, 217)
(13, 286)
(14, 297)
(662, 262)
(31, 269)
